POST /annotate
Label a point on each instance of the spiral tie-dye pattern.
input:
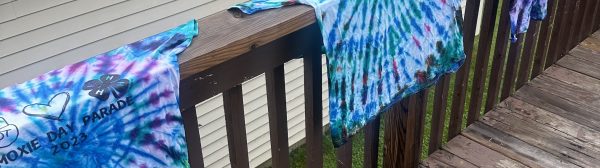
(116, 109)
(379, 51)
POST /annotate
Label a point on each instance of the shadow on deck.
(553, 121)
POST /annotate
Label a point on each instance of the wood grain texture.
(478, 154)
(442, 158)
(513, 147)
(581, 66)
(560, 106)
(395, 134)
(559, 144)
(224, 37)
(552, 121)
(546, 118)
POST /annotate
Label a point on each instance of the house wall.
(37, 36)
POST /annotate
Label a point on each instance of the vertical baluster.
(498, 60)
(574, 28)
(557, 32)
(586, 28)
(439, 113)
(514, 55)
(236, 127)
(372, 143)
(544, 40)
(462, 76)
(414, 128)
(394, 134)
(560, 37)
(570, 26)
(275, 81)
(192, 137)
(530, 43)
(481, 67)
(313, 105)
(596, 24)
(403, 132)
(344, 155)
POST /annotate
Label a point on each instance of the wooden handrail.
(223, 37)
(231, 49)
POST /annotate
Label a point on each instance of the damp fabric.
(379, 51)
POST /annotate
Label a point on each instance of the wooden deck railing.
(234, 48)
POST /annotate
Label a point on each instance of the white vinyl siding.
(37, 36)
(210, 116)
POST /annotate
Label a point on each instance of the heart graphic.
(52, 110)
(8, 133)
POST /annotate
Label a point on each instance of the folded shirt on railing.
(521, 13)
(379, 52)
(116, 109)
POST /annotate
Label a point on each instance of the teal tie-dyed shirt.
(116, 109)
(380, 51)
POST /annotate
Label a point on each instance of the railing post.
(528, 54)
(192, 137)
(498, 63)
(404, 132)
(481, 66)
(372, 143)
(541, 54)
(596, 23)
(275, 80)
(560, 34)
(438, 116)
(462, 76)
(236, 127)
(313, 101)
(344, 155)
(514, 55)
(575, 26)
(586, 28)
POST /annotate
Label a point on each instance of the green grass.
(298, 156)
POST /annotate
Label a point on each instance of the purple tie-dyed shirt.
(116, 109)
(521, 13)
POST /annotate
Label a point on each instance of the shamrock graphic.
(109, 83)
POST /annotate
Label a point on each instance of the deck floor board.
(552, 121)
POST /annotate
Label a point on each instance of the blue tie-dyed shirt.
(116, 109)
(380, 51)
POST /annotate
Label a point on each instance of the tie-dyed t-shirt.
(380, 51)
(116, 109)
(521, 13)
